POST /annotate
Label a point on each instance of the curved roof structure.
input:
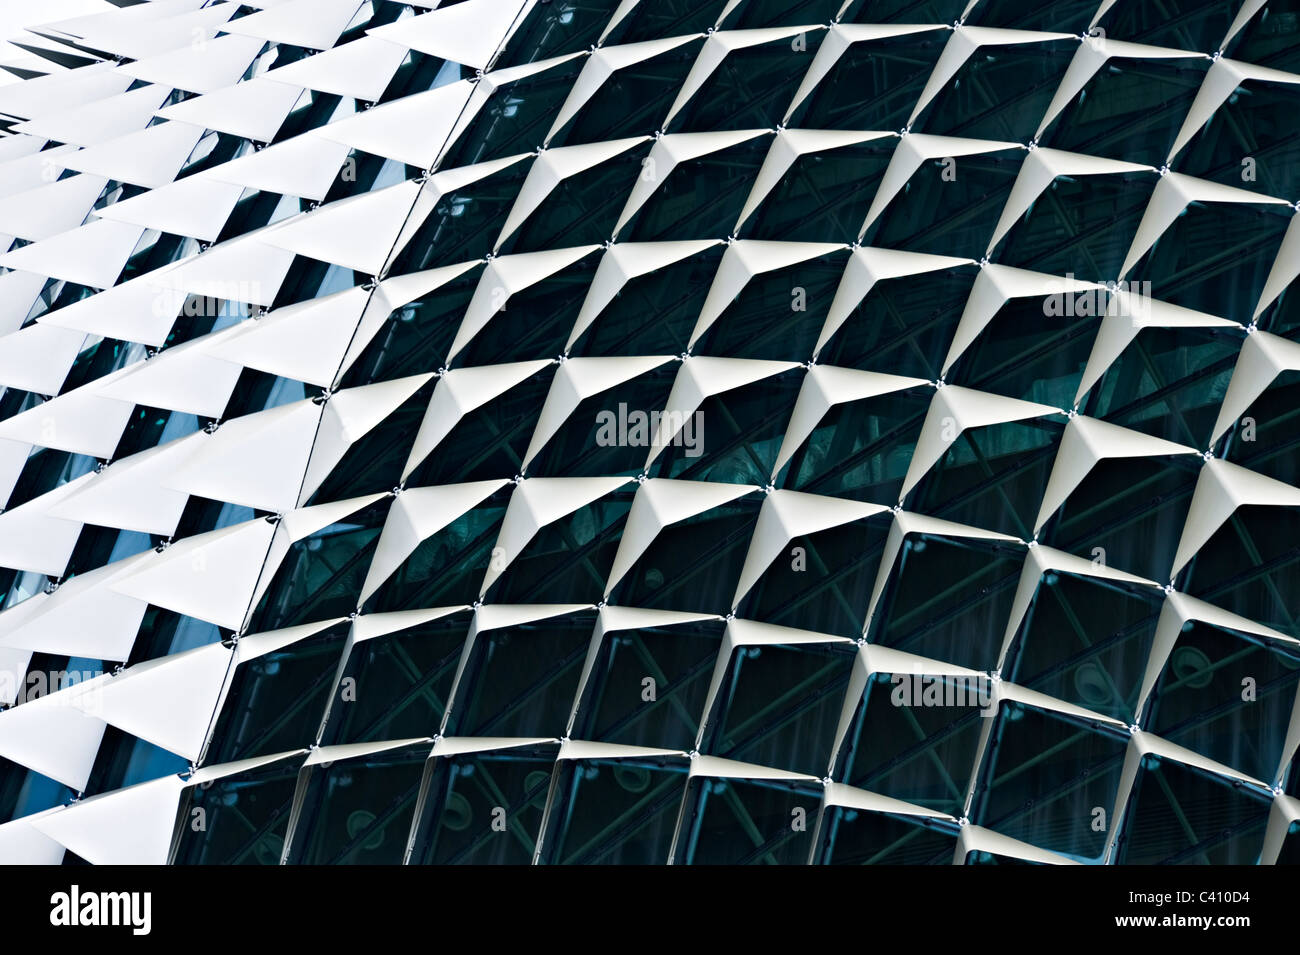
(649, 431)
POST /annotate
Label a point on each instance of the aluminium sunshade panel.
(963, 334)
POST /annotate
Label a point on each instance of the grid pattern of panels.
(642, 431)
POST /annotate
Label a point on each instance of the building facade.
(652, 431)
